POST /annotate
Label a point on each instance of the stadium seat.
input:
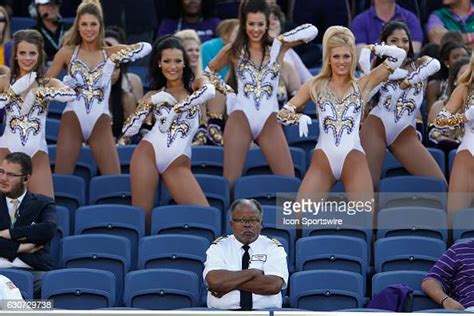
(412, 279)
(161, 289)
(85, 168)
(98, 251)
(306, 143)
(113, 189)
(125, 155)
(207, 160)
(55, 109)
(69, 191)
(412, 221)
(256, 163)
(407, 253)
(52, 130)
(463, 224)
(196, 220)
(20, 23)
(118, 220)
(264, 188)
(412, 191)
(62, 230)
(23, 280)
(451, 157)
(215, 188)
(79, 288)
(326, 290)
(392, 167)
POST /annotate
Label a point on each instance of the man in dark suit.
(27, 220)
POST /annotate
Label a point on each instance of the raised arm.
(447, 117)
(60, 61)
(302, 34)
(55, 90)
(428, 67)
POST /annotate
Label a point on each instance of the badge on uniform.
(261, 257)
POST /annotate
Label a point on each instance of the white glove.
(131, 53)
(469, 114)
(163, 97)
(22, 84)
(275, 50)
(305, 120)
(230, 102)
(364, 60)
(107, 72)
(305, 32)
(399, 73)
(28, 102)
(395, 56)
(73, 82)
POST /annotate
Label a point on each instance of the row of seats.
(162, 288)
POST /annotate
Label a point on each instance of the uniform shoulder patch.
(216, 241)
(275, 241)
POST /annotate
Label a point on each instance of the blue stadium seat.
(125, 155)
(20, 23)
(79, 288)
(332, 253)
(451, 157)
(392, 167)
(142, 72)
(256, 163)
(118, 220)
(306, 143)
(52, 130)
(215, 188)
(172, 251)
(442, 311)
(23, 279)
(63, 230)
(310, 109)
(463, 224)
(187, 219)
(161, 289)
(98, 251)
(264, 188)
(69, 191)
(407, 253)
(55, 109)
(412, 191)
(207, 160)
(86, 166)
(412, 279)
(326, 290)
(113, 189)
(412, 221)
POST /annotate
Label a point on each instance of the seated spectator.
(127, 89)
(227, 32)
(192, 45)
(191, 14)
(245, 263)
(28, 220)
(367, 25)
(449, 282)
(50, 24)
(457, 15)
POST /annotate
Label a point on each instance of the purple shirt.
(367, 25)
(206, 29)
(455, 271)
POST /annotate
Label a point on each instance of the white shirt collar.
(20, 199)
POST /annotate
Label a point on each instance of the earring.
(159, 66)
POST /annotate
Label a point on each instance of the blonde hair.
(467, 76)
(191, 35)
(6, 30)
(335, 36)
(92, 7)
(226, 27)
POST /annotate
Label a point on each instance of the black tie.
(245, 297)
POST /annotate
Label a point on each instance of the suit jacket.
(35, 223)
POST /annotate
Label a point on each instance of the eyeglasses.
(10, 174)
(242, 221)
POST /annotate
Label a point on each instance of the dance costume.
(398, 108)
(176, 124)
(26, 119)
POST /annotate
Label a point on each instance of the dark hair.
(21, 159)
(388, 30)
(116, 92)
(453, 73)
(246, 7)
(444, 52)
(157, 79)
(175, 9)
(33, 37)
(276, 10)
(430, 49)
(249, 203)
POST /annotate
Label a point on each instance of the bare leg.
(237, 138)
(273, 143)
(319, 178)
(414, 156)
(372, 137)
(461, 183)
(144, 179)
(181, 183)
(41, 181)
(103, 147)
(69, 144)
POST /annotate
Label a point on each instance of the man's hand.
(29, 248)
(219, 294)
(451, 303)
(5, 234)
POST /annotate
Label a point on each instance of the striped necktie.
(14, 203)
